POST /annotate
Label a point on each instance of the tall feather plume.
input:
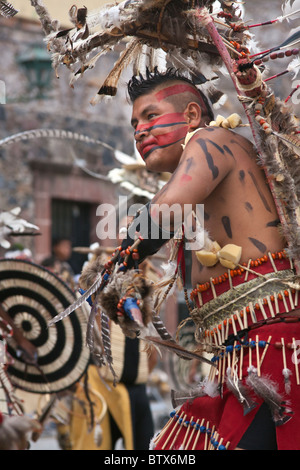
(48, 25)
(158, 25)
(110, 85)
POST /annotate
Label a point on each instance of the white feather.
(290, 10)
(294, 67)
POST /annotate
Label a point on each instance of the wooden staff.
(206, 20)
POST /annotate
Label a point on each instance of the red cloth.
(226, 415)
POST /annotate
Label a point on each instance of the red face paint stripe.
(169, 137)
(170, 119)
(174, 90)
(165, 140)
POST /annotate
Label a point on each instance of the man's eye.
(151, 116)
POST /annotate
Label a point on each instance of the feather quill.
(105, 335)
(90, 326)
(78, 302)
(178, 398)
(161, 329)
(177, 349)
(205, 388)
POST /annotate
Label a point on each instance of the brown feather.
(177, 349)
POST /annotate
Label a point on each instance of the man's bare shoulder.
(221, 138)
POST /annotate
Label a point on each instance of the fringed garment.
(249, 322)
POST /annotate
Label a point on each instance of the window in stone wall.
(71, 220)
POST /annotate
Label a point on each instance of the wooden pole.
(204, 17)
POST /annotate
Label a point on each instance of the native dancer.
(241, 315)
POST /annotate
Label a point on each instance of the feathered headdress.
(154, 32)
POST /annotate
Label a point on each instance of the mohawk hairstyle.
(139, 86)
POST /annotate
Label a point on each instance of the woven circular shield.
(33, 296)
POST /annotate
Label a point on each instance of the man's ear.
(193, 115)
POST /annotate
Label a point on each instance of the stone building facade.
(42, 175)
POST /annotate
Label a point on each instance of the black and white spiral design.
(33, 296)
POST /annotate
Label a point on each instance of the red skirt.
(261, 367)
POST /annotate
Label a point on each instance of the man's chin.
(152, 165)
(155, 162)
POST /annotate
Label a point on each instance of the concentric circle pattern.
(33, 296)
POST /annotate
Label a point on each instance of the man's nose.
(140, 132)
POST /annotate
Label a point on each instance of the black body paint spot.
(261, 195)
(227, 225)
(248, 206)
(242, 176)
(227, 149)
(273, 223)
(214, 169)
(189, 164)
(259, 245)
(206, 216)
(217, 146)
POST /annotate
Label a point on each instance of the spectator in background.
(58, 261)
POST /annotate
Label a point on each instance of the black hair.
(139, 86)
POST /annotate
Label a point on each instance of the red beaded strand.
(235, 272)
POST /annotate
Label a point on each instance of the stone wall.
(30, 170)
